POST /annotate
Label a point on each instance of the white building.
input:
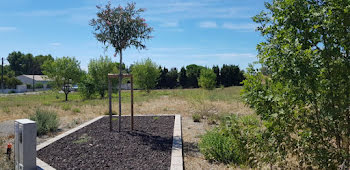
(28, 79)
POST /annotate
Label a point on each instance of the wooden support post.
(110, 104)
(132, 102)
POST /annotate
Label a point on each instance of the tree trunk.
(66, 96)
(120, 89)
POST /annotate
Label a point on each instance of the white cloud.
(4, 29)
(169, 24)
(55, 44)
(207, 24)
(240, 27)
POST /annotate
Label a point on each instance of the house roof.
(37, 77)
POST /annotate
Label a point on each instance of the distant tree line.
(187, 77)
(21, 63)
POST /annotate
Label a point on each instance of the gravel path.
(7, 128)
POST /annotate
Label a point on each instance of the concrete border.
(176, 153)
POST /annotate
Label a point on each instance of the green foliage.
(121, 27)
(66, 107)
(234, 141)
(216, 70)
(11, 82)
(76, 110)
(193, 72)
(22, 63)
(207, 79)
(46, 121)
(145, 74)
(183, 77)
(86, 87)
(63, 71)
(39, 85)
(231, 75)
(306, 99)
(167, 79)
(196, 117)
(98, 72)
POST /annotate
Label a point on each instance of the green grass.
(76, 110)
(230, 94)
(196, 117)
(82, 139)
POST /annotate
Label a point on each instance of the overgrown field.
(209, 105)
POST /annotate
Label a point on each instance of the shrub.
(86, 87)
(76, 110)
(146, 74)
(207, 79)
(66, 107)
(234, 141)
(217, 147)
(47, 121)
(196, 117)
(39, 85)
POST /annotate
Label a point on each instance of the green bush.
(207, 79)
(196, 117)
(66, 107)
(47, 121)
(234, 141)
(86, 87)
(76, 110)
(39, 85)
(11, 82)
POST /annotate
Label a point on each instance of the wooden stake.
(132, 102)
(110, 104)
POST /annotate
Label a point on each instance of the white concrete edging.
(176, 153)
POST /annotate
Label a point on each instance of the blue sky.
(207, 32)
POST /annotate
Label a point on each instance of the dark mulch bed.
(95, 147)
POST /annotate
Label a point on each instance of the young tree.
(305, 101)
(121, 28)
(63, 71)
(183, 77)
(207, 79)
(146, 74)
(98, 71)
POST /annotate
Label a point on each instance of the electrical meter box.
(25, 144)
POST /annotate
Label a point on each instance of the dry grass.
(180, 101)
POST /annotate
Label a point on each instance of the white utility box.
(25, 144)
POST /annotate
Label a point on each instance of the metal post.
(2, 74)
(110, 104)
(132, 103)
(33, 80)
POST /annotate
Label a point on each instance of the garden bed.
(149, 146)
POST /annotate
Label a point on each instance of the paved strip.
(176, 153)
